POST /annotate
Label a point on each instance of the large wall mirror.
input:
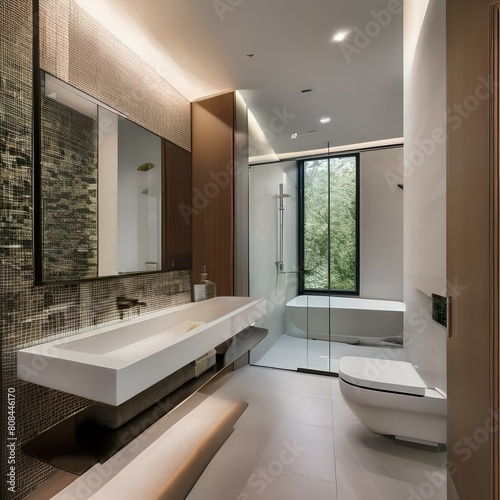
(100, 189)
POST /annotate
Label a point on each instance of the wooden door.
(472, 256)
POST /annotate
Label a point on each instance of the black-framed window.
(329, 225)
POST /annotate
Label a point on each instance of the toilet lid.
(382, 374)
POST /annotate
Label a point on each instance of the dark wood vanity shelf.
(78, 443)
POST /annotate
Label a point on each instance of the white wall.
(425, 186)
(381, 225)
(263, 245)
(108, 193)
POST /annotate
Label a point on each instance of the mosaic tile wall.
(69, 180)
(29, 314)
(76, 49)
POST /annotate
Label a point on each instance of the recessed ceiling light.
(326, 119)
(339, 36)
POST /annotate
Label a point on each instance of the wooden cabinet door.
(177, 208)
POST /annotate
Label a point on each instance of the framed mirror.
(99, 188)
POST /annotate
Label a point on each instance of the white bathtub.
(346, 319)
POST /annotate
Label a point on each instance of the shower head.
(145, 167)
(281, 195)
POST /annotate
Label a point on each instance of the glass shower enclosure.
(305, 259)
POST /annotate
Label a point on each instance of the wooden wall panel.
(470, 364)
(241, 205)
(177, 227)
(213, 190)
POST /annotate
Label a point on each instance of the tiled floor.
(299, 440)
(291, 353)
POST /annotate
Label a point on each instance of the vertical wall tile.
(34, 314)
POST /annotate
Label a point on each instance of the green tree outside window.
(330, 188)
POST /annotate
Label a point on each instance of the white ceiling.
(201, 47)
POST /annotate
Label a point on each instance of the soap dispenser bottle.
(203, 275)
(199, 288)
(210, 289)
(205, 289)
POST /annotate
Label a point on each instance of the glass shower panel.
(330, 251)
(273, 260)
(317, 246)
(318, 333)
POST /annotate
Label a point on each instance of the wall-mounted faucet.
(128, 302)
(123, 303)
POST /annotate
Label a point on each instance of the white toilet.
(390, 398)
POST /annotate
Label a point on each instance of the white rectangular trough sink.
(114, 363)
